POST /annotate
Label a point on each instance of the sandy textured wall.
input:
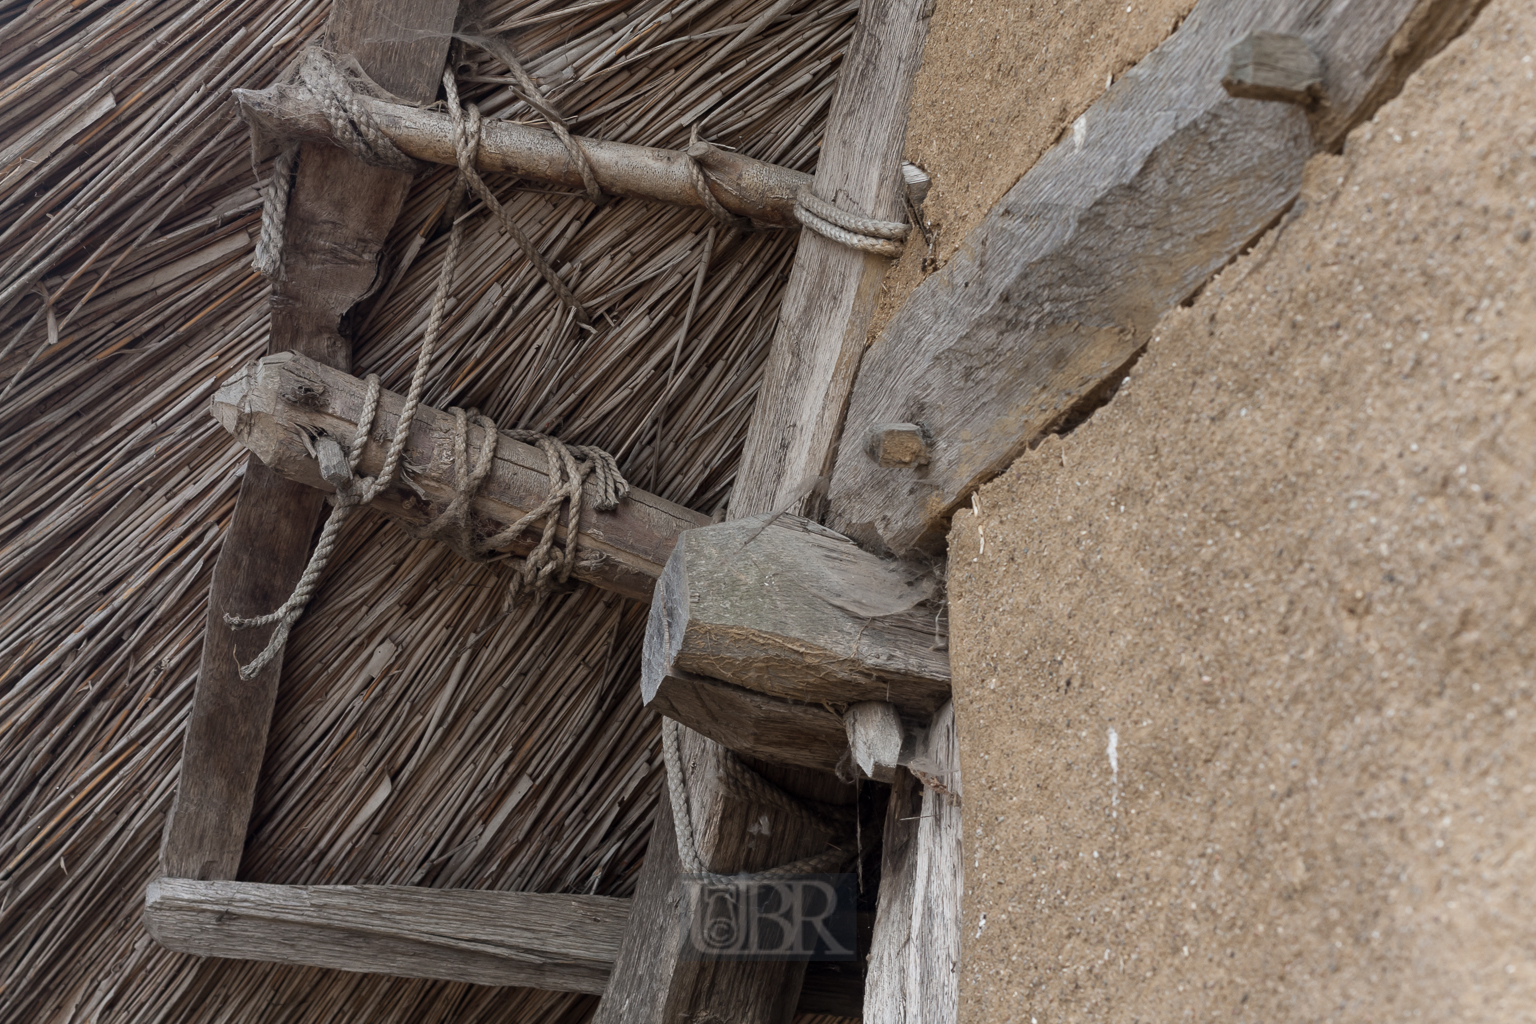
(1246, 665)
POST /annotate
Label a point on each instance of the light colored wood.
(914, 969)
(746, 187)
(878, 739)
(897, 444)
(561, 942)
(785, 607)
(339, 213)
(1157, 186)
(1274, 66)
(274, 402)
(752, 723)
(832, 289)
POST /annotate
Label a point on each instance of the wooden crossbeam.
(278, 405)
(556, 941)
(746, 187)
(339, 214)
(1162, 182)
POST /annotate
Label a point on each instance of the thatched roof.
(400, 752)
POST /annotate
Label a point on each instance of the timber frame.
(1169, 176)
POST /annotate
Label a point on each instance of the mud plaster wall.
(999, 82)
(1245, 666)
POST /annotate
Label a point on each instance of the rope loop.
(750, 786)
(883, 237)
(699, 178)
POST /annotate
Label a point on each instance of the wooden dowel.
(746, 187)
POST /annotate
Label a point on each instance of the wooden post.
(751, 723)
(339, 214)
(833, 290)
(914, 960)
(789, 608)
(821, 325)
(276, 404)
(1162, 182)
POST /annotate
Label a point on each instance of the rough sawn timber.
(780, 605)
(1163, 181)
(748, 188)
(914, 958)
(833, 289)
(561, 942)
(274, 402)
(771, 728)
(339, 214)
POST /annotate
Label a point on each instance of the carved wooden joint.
(898, 444)
(1274, 66)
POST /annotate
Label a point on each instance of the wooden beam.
(880, 740)
(561, 942)
(785, 607)
(832, 289)
(748, 188)
(1274, 66)
(1160, 184)
(277, 404)
(339, 213)
(914, 960)
(752, 723)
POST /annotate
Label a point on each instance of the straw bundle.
(419, 738)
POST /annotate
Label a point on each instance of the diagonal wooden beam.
(1161, 183)
(339, 213)
(821, 329)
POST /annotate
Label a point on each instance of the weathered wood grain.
(752, 723)
(880, 740)
(914, 969)
(273, 403)
(566, 943)
(748, 188)
(832, 289)
(785, 607)
(1156, 187)
(654, 980)
(1274, 66)
(339, 213)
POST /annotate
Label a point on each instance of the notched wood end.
(1274, 66)
(898, 444)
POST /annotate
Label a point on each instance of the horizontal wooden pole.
(784, 607)
(565, 943)
(748, 188)
(274, 403)
(752, 723)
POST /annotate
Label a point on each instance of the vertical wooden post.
(822, 323)
(833, 289)
(914, 960)
(339, 213)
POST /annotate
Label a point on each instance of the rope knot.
(883, 237)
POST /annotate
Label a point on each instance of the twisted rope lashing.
(869, 234)
(747, 785)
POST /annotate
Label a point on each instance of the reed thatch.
(401, 751)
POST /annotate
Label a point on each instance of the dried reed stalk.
(419, 737)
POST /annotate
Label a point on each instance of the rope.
(529, 92)
(857, 231)
(466, 143)
(748, 785)
(698, 177)
(569, 465)
(334, 88)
